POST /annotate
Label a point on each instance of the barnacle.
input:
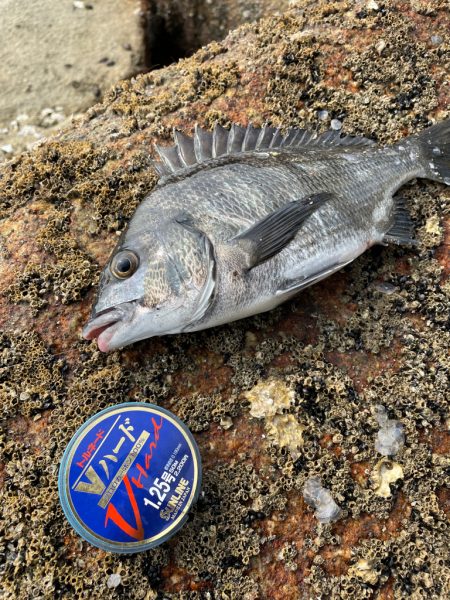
(385, 473)
(269, 398)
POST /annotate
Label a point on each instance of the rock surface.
(376, 333)
(179, 27)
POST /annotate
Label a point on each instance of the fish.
(243, 219)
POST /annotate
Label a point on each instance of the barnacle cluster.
(353, 89)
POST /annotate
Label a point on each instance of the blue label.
(131, 476)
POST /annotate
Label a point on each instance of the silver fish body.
(243, 220)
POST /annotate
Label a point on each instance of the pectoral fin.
(274, 232)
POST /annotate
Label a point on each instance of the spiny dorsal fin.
(204, 145)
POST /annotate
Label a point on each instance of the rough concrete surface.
(376, 333)
(58, 57)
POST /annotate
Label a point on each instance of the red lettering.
(112, 513)
(137, 482)
(157, 427)
(148, 455)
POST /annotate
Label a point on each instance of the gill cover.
(154, 284)
(182, 270)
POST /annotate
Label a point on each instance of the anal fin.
(402, 230)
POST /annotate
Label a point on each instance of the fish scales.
(250, 191)
(243, 220)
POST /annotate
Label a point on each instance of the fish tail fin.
(434, 143)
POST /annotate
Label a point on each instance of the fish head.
(158, 280)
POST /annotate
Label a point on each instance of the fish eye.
(124, 264)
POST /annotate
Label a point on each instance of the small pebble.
(226, 422)
(336, 124)
(7, 149)
(114, 580)
(386, 288)
(436, 40)
(323, 115)
(381, 45)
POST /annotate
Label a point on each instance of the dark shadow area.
(170, 31)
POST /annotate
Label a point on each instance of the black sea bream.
(244, 219)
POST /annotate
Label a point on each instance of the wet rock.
(176, 28)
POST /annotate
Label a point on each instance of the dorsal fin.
(186, 150)
(220, 140)
(205, 146)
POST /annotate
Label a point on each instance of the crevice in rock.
(170, 31)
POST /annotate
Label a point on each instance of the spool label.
(131, 475)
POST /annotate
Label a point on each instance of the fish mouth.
(102, 328)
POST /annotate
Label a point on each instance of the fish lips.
(103, 326)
